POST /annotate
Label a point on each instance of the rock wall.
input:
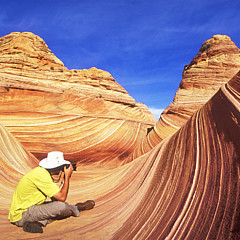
(187, 187)
(84, 113)
(217, 61)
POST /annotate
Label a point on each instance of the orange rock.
(84, 113)
(186, 187)
(217, 61)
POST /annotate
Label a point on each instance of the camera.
(74, 166)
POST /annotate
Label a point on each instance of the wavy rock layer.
(217, 61)
(187, 187)
(84, 113)
(14, 161)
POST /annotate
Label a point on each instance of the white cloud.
(156, 112)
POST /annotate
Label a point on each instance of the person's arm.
(62, 194)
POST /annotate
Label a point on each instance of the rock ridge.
(27, 57)
(83, 113)
(185, 188)
(217, 61)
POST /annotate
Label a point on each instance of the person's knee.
(61, 206)
(63, 209)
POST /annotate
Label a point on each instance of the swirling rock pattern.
(217, 61)
(186, 187)
(84, 113)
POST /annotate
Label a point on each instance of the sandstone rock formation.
(84, 113)
(186, 187)
(217, 61)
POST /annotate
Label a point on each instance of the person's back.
(32, 189)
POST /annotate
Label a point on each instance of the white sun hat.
(54, 159)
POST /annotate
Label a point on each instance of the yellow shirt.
(32, 189)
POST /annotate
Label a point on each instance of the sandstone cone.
(217, 61)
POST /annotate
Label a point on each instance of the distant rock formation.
(80, 112)
(26, 62)
(217, 61)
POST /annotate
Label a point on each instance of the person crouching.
(29, 208)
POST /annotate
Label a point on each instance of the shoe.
(89, 204)
(32, 227)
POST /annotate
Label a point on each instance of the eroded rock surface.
(84, 113)
(186, 187)
(217, 61)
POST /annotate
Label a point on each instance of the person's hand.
(68, 171)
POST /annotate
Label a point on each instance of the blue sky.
(144, 44)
